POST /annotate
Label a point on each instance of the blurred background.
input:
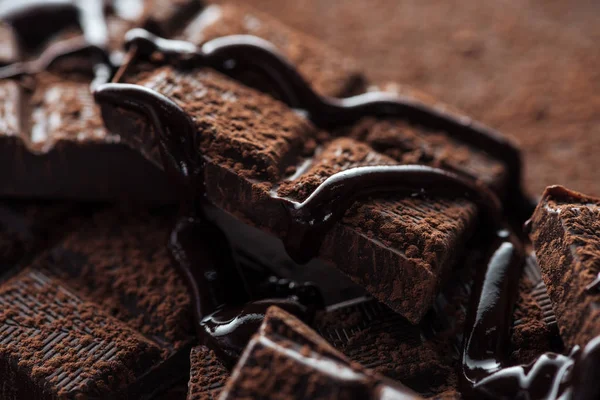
(528, 68)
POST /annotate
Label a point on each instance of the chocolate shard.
(326, 69)
(55, 344)
(44, 134)
(116, 265)
(119, 259)
(565, 234)
(207, 375)
(287, 359)
(50, 127)
(421, 356)
(534, 328)
(259, 151)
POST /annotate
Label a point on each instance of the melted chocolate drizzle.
(486, 372)
(251, 53)
(225, 313)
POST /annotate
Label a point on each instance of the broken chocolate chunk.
(207, 375)
(565, 234)
(287, 358)
(399, 246)
(55, 344)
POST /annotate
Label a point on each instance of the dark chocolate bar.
(259, 153)
(55, 344)
(287, 358)
(52, 140)
(534, 328)
(207, 375)
(565, 235)
(108, 285)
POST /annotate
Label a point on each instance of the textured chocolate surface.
(564, 232)
(120, 290)
(288, 359)
(410, 241)
(52, 140)
(534, 328)
(119, 259)
(207, 375)
(54, 344)
(497, 61)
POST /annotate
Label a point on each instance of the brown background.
(528, 68)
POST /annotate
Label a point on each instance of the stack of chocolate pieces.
(181, 203)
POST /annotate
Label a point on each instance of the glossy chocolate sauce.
(486, 372)
(225, 312)
(242, 52)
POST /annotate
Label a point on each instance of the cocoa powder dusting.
(51, 335)
(240, 128)
(207, 375)
(119, 259)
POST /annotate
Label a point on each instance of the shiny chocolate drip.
(93, 44)
(486, 372)
(249, 52)
(311, 219)
(225, 314)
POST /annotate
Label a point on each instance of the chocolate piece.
(54, 344)
(534, 328)
(327, 70)
(207, 375)
(270, 155)
(564, 232)
(49, 123)
(371, 334)
(118, 260)
(287, 358)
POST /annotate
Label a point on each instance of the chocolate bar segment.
(52, 140)
(257, 151)
(534, 328)
(54, 344)
(44, 134)
(119, 259)
(565, 234)
(117, 265)
(286, 358)
(328, 71)
(207, 375)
